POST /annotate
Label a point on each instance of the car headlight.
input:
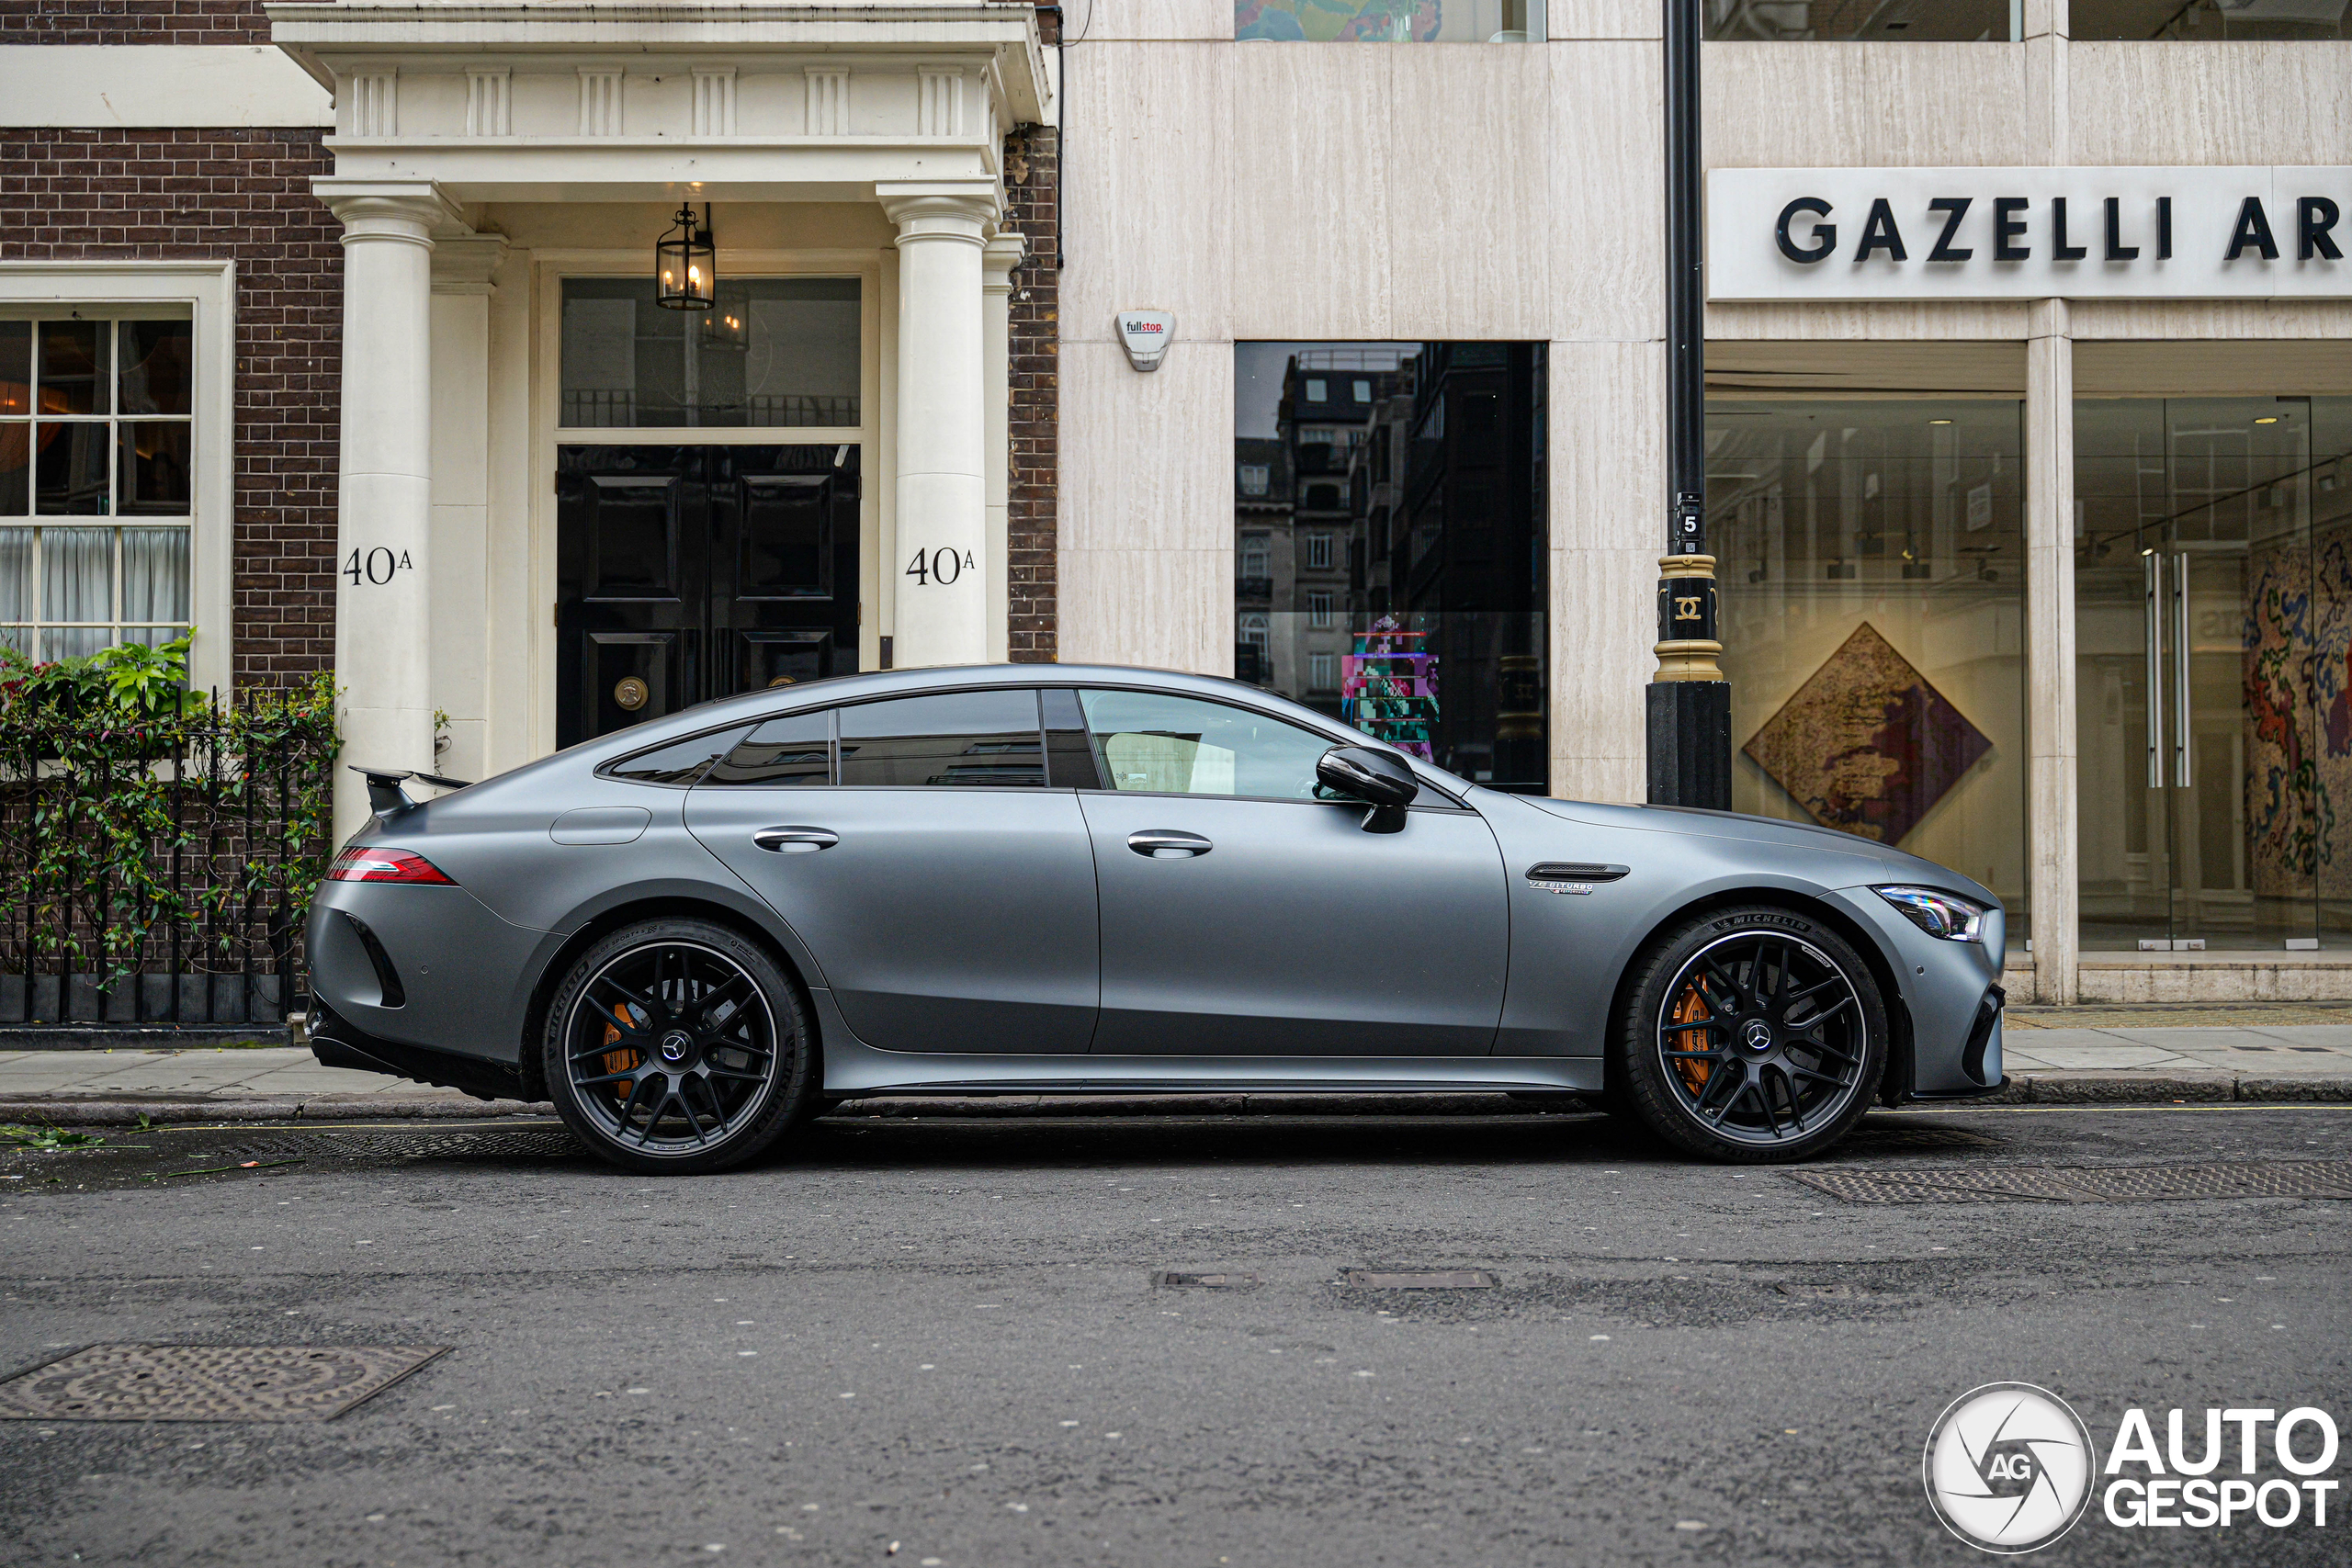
(1947, 915)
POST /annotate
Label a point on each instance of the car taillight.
(368, 863)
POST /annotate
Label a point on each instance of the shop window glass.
(1389, 21)
(1420, 616)
(2210, 21)
(74, 461)
(1873, 569)
(2213, 637)
(774, 352)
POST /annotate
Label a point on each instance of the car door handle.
(795, 840)
(1167, 844)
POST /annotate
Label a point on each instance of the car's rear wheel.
(1751, 1035)
(676, 1046)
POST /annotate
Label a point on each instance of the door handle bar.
(1168, 843)
(2183, 760)
(795, 840)
(2152, 573)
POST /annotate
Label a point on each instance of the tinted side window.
(988, 739)
(782, 753)
(680, 763)
(1165, 745)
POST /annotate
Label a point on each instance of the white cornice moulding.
(96, 87)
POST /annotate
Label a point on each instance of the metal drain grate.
(1169, 1279)
(552, 1143)
(209, 1382)
(1431, 1280)
(2101, 1184)
(1868, 1139)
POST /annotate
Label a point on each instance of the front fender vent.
(1576, 871)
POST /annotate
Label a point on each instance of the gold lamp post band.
(1688, 645)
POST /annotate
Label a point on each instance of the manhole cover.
(2108, 1184)
(209, 1382)
(1427, 1280)
(1169, 1279)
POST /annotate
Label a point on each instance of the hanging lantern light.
(685, 275)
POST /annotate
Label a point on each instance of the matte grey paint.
(1299, 934)
(962, 928)
(956, 918)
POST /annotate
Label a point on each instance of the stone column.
(1001, 255)
(383, 619)
(2051, 744)
(941, 566)
(460, 662)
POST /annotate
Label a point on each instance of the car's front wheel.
(676, 1046)
(1751, 1034)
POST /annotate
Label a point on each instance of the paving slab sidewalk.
(2052, 1065)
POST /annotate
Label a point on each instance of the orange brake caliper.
(621, 1061)
(1691, 1008)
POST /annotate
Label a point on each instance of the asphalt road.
(947, 1336)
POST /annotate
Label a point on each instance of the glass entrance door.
(685, 573)
(2213, 603)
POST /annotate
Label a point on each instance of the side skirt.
(853, 1069)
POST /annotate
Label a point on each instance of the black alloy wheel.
(1755, 1035)
(677, 1046)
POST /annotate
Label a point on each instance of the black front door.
(685, 573)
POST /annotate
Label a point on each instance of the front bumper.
(1950, 994)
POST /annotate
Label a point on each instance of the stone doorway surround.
(443, 108)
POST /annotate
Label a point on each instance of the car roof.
(869, 685)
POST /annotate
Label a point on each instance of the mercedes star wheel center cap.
(1758, 1034)
(675, 1044)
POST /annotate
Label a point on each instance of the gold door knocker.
(630, 692)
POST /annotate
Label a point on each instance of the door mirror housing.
(1377, 778)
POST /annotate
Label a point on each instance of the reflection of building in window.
(2209, 21)
(1389, 21)
(1253, 476)
(1406, 489)
(1925, 21)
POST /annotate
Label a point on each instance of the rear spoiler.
(384, 793)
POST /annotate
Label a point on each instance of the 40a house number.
(378, 566)
(940, 567)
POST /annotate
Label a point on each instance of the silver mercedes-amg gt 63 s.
(694, 935)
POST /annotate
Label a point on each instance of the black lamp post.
(1688, 701)
(685, 275)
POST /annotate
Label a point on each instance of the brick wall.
(1031, 172)
(133, 21)
(242, 195)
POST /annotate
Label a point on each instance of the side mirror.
(1378, 779)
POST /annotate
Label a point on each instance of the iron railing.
(157, 873)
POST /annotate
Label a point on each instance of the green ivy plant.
(102, 748)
